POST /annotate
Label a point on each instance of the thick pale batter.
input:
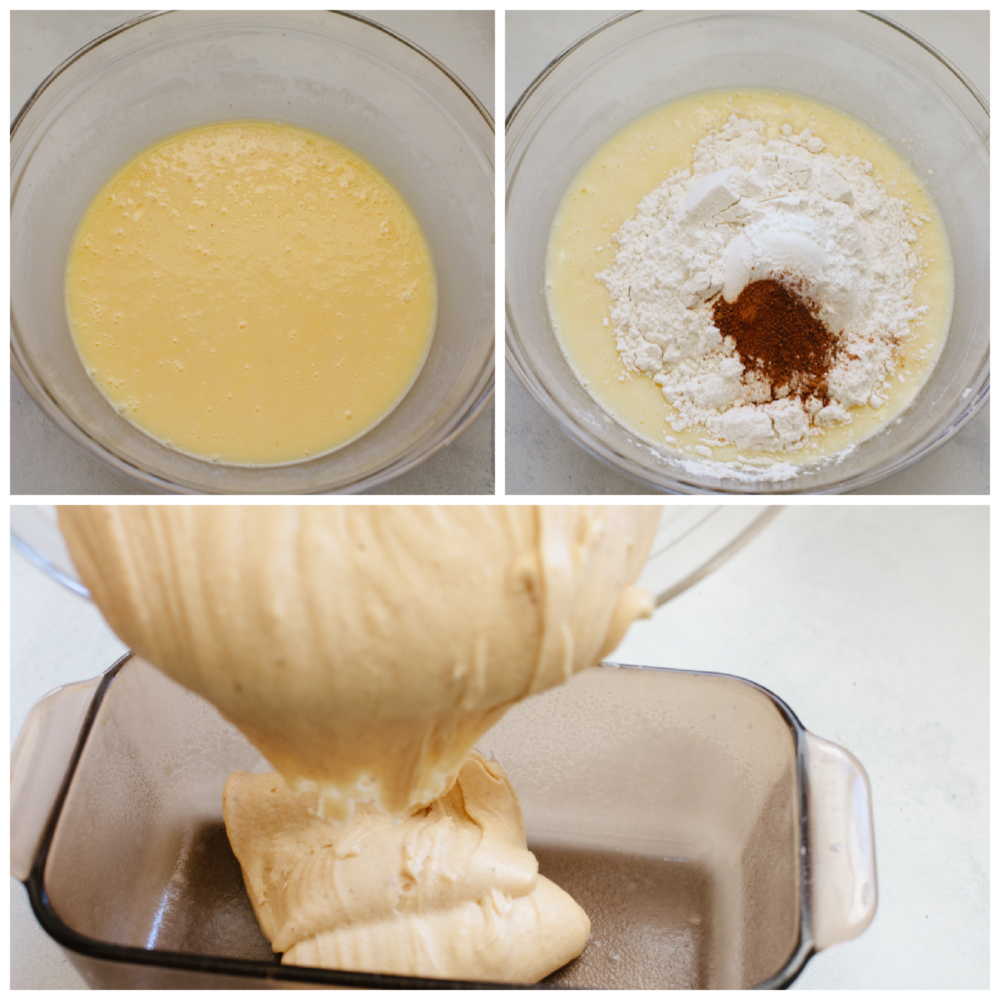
(251, 293)
(364, 650)
(457, 893)
(635, 161)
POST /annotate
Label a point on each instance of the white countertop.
(871, 623)
(542, 460)
(44, 460)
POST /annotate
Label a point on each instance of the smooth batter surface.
(251, 293)
(457, 894)
(630, 165)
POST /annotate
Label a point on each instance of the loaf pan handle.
(38, 765)
(842, 844)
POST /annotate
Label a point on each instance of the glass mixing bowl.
(861, 64)
(690, 543)
(337, 74)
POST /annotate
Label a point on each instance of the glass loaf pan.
(713, 841)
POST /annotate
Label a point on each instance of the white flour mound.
(751, 209)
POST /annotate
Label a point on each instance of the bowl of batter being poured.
(749, 270)
(374, 741)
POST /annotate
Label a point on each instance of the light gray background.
(871, 623)
(43, 460)
(541, 459)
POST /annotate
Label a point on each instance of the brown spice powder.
(779, 337)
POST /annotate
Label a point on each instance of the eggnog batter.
(251, 293)
(364, 650)
(450, 891)
(631, 165)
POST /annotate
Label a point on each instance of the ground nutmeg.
(779, 337)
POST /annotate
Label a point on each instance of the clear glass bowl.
(862, 64)
(338, 74)
(690, 543)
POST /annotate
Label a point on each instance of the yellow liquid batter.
(636, 160)
(251, 293)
